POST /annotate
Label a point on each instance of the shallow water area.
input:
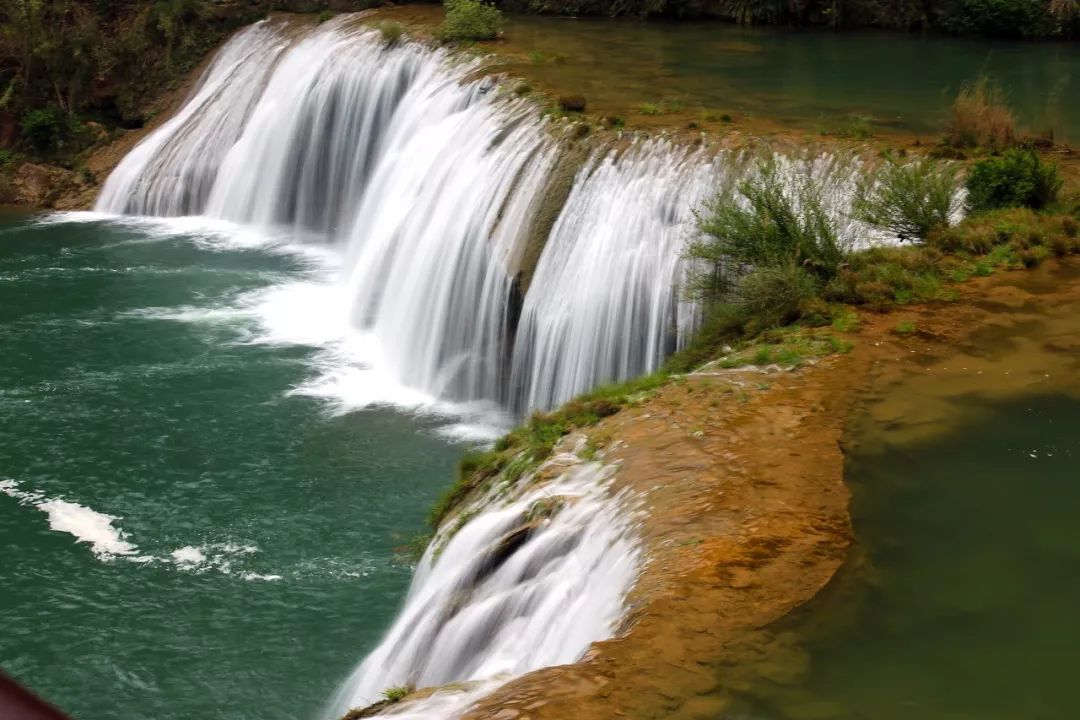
(972, 545)
(186, 532)
(959, 601)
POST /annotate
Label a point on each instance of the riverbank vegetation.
(75, 72)
(470, 20)
(999, 18)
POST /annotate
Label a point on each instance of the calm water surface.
(968, 606)
(901, 81)
(248, 562)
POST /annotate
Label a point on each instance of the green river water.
(185, 432)
(965, 608)
(810, 78)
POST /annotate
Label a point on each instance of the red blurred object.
(18, 703)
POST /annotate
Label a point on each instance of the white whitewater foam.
(79, 521)
(108, 542)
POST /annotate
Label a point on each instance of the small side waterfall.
(529, 582)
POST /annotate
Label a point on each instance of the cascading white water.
(436, 242)
(529, 582)
(172, 171)
(427, 182)
(603, 303)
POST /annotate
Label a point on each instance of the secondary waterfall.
(529, 582)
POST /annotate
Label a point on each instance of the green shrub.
(470, 20)
(775, 295)
(908, 199)
(44, 131)
(762, 225)
(1018, 178)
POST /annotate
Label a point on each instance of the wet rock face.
(40, 185)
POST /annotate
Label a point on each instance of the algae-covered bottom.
(973, 546)
(182, 537)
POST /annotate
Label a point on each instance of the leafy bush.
(470, 20)
(1019, 178)
(44, 130)
(884, 276)
(762, 225)
(981, 117)
(1001, 18)
(775, 295)
(908, 199)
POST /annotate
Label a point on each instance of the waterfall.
(172, 171)
(436, 243)
(529, 581)
(603, 304)
(426, 182)
(426, 185)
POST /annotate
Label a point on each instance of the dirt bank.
(746, 512)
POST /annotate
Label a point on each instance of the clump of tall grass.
(909, 199)
(981, 116)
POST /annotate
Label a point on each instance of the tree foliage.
(1005, 18)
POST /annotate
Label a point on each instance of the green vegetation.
(981, 117)
(470, 20)
(391, 32)
(62, 63)
(1001, 18)
(667, 106)
(786, 347)
(904, 328)
(396, 694)
(762, 248)
(522, 450)
(908, 199)
(1018, 178)
(856, 127)
(766, 258)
